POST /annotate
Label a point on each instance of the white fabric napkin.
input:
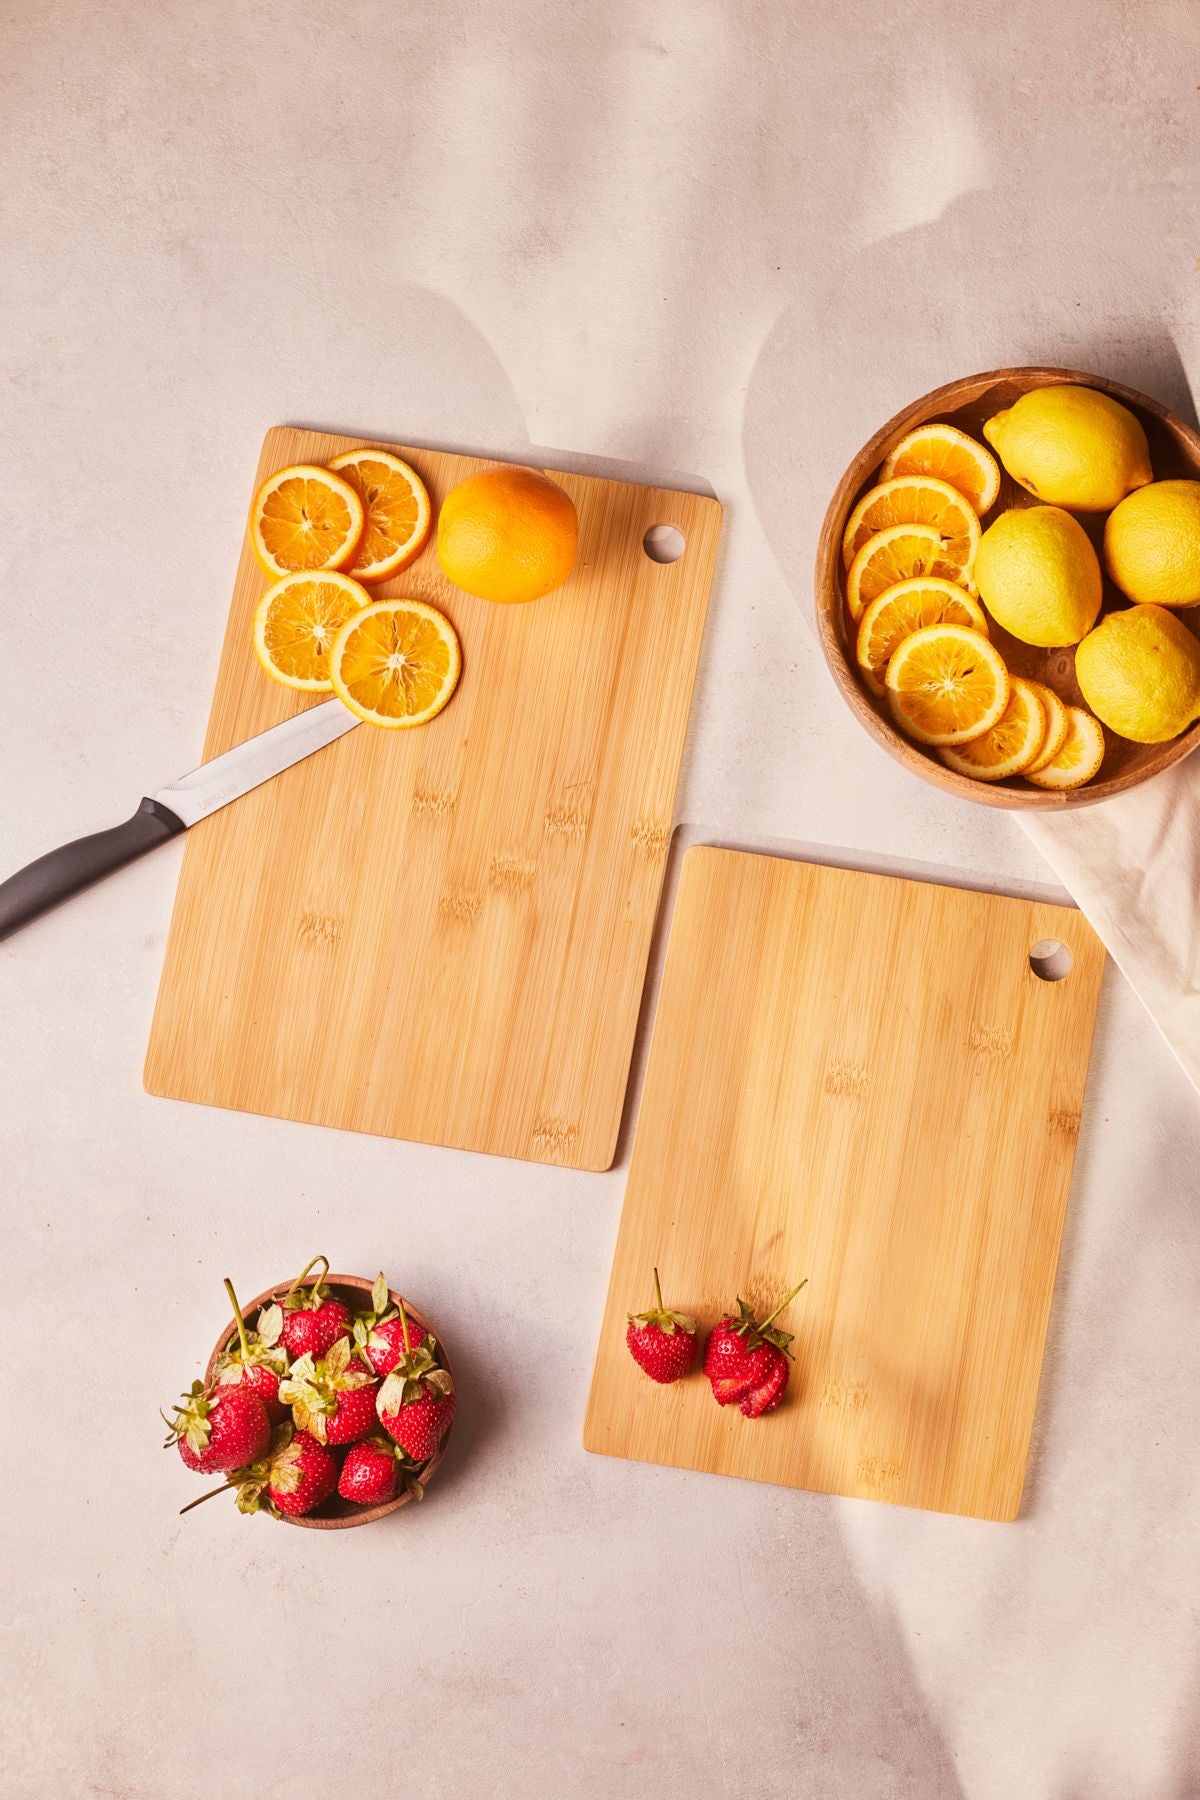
(1133, 866)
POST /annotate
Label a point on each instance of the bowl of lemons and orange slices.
(1008, 587)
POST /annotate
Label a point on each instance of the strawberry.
(417, 1400)
(662, 1343)
(259, 1361)
(374, 1471)
(378, 1333)
(333, 1399)
(293, 1474)
(312, 1323)
(219, 1430)
(747, 1362)
(384, 1344)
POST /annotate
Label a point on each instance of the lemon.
(1139, 671)
(1072, 447)
(508, 534)
(1152, 544)
(1038, 575)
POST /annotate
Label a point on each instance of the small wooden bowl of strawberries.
(331, 1409)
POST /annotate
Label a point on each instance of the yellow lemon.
(1038, 575)
(1139, 671)
(1072, 447)
(507, 534)
(1152, 544)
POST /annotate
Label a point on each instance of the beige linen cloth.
(1133, 866)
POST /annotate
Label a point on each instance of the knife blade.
(34, 889)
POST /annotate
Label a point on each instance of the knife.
(63, 872)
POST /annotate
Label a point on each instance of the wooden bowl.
(1174, 452)
(337, 1514)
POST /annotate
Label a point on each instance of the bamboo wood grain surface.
(860, 1080)
(442, 933)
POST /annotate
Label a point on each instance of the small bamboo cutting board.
(442, 933)
(859, 1080)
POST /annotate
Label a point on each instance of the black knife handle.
(63, 872)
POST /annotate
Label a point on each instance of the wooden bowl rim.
(828, 599)
(355, 1285)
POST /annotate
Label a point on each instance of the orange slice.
(396, 503)
(396, 663)
(1010, 745)
(296, 622)
(950, 455)
(305, 517)
(946, 684)
(897, 554)
(915, 500)
(1057, 725)
(905, 608)
(1079, 758)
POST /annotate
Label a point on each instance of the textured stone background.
(713, 240)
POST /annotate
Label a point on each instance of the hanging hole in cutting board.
(1050, 959)
(664, 543)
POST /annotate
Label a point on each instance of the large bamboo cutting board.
(859, 1080)
(442, 933)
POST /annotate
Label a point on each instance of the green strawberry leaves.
(191, 1420)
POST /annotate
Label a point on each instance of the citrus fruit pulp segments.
(946, 684)
(296, 622)
(305, 517)
(897, 554)
(397, 512)
(396, 663)
(915, 500)
(1010, 745)
(905, 608)
(950, 455)
(1080, 757)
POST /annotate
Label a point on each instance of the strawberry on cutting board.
(747, 1363)
(661, 1342)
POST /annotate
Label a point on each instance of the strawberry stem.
(299, 1281)
(243, 1340)
(404, 1329)
(211, 1495)
(761, 1328)
(658, 1291)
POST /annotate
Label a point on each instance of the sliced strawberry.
(728, 1388)
(769, 1392)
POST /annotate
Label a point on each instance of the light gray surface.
(718, 241)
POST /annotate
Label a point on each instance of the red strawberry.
(219, 1430)
(258, 1361)
(662, 1343)
(748, 1362)
(334, 1399)
(301, 1475)
(313, 1323)
(416, 1402)
(370, 1473)
(383, 1345)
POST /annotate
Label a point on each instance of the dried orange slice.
(897, 554)
(946, 684)
(297, 620)
(305, 517)
(1010, 745)
(396, 503)
(905, 608)
(950, 455)
(1057, 725)
(915, 500)
(396, 663)
(1079, 758)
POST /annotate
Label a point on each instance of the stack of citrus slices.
(924, 643)
(327, 535)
